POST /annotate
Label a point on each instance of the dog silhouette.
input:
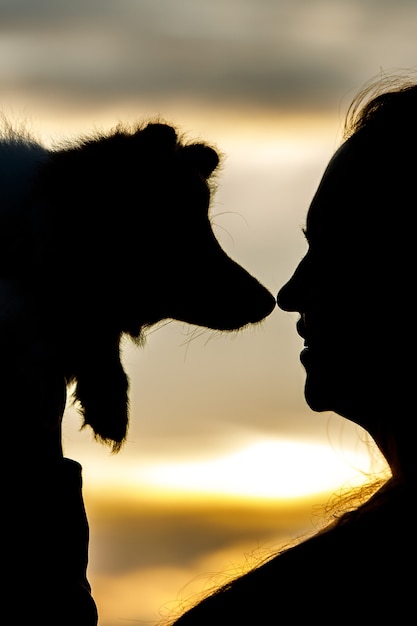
(104, 237)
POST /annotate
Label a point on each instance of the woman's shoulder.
(360, 553)
(376, 530)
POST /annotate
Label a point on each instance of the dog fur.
(105, 237)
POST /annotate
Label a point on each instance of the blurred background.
(224, 462)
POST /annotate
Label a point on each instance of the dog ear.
(157, 136)
(202, 157)
(163, 138)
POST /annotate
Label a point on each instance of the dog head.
(125, 218)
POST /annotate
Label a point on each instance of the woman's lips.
(305, 355)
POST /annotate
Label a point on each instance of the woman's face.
(338, 290)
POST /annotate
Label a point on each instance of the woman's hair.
(384, 105)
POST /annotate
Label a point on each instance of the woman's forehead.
(344, 163)
(341, 188)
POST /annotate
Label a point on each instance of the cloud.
(286, 53)
(134, 533)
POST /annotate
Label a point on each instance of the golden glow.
(276, 130)
(266, 469)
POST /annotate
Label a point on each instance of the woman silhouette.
(354, 291)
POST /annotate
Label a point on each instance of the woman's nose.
(291, 295)
(284, 300)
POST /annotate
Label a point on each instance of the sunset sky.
(224, 461)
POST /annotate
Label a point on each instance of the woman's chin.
(317, 396)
